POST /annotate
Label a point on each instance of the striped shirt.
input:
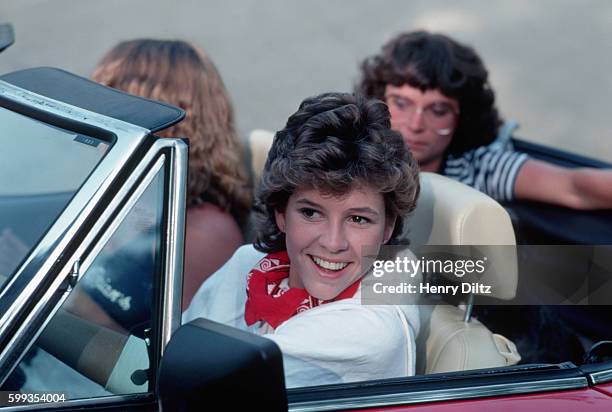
(491, 169)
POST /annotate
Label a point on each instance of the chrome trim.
(467, 316)
(601, 377)
(175, 243)
(129, 137)
(85, 264)
(411, 398)
(61, 109)
(88, 240)
(178, 178)
(125, 210)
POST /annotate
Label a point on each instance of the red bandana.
(267, 300)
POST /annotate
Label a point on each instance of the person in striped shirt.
(441, 102)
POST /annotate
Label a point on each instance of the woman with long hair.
(219, 195)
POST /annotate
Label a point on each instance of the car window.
(95, 343)
(30, 200)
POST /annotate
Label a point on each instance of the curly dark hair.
(434, 61)
(334, 141)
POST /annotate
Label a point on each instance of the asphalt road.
(550, 60)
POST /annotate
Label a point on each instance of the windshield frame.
(124, 139)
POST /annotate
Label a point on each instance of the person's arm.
(212, 236)
(583, 188)
(81, 304)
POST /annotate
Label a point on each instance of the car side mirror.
(207, 363)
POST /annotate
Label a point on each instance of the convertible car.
(92, 203)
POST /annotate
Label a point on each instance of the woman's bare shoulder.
(211, 238)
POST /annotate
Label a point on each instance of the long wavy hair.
(177, 73)
(332, 143)
(434, 61)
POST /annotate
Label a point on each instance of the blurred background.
(550, 61)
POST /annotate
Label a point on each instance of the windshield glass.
(41, 167)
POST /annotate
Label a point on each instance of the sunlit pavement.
(550, 60)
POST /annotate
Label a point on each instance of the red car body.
(596, 399)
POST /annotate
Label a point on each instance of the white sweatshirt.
(342, 341)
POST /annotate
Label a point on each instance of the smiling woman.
(324, 236)
(337, 179)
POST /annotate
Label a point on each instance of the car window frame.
(108, 190)
(166, 308)
(452, 386)
(402, 391)
(125, 139)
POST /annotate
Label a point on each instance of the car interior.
(454, 337)
(75, 353)
(450, 213)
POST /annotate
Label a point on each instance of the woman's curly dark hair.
(333, 142)
(435, 61)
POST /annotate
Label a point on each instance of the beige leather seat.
(450, 213)
(259, 142)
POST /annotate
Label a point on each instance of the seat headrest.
(260, 142)
(451, 213)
